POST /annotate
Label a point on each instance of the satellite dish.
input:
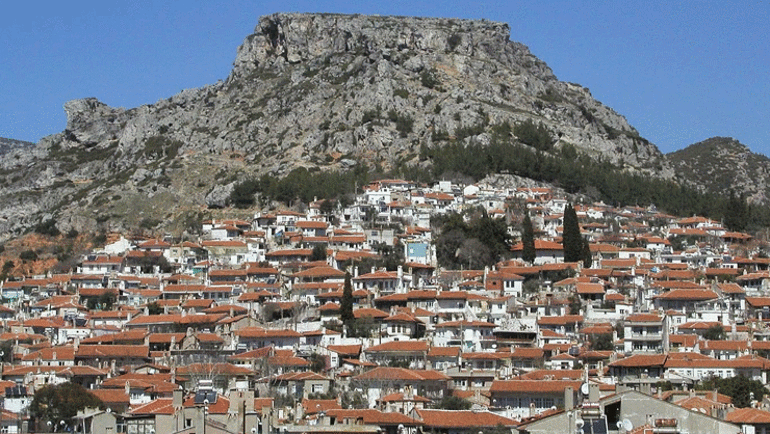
(627, 425)
(579, 423)
(584, 389)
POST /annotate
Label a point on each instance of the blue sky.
(680, 72)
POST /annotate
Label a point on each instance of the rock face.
(7, 145)
(312, 90)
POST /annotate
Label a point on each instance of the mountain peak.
(298, 37)
(315, 91)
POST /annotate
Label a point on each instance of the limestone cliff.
(314, 90)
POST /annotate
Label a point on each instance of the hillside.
(8, 145)
(311, 90)
(722, 164)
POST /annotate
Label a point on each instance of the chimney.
(593, 392)
(569, 398)
(176, 399)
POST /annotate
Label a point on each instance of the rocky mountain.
(312, 90)
(722, 164)
(7, 145)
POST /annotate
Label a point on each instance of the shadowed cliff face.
(312, 90)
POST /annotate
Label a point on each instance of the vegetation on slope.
(564, 167)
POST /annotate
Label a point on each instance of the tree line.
(602, 180)
(506, 152)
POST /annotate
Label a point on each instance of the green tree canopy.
(318, 253)
(528, 252)
(602, 342)
(480, 242)
(61, 402)
(154, 308)
(715, 333)
(571, 239)
(450, 402)
(346, 303)
(739, 388)
(586, 254)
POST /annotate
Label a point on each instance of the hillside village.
(240, 331)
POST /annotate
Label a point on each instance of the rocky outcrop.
(306, 90)
(8, 145)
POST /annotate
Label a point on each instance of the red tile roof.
(387, 373)
(372, 417)
(467, 419)
(748, 416)
(641, 360)
(399, 346)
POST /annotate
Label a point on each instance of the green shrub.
(403, 93)
(550, 95)
(48, 227)
(370, 115)
(28, 255)
(243, 193)
(404, 123)
(537, 136)
(161, 146)
(453, 41)
(428, 79)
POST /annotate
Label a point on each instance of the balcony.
(645, 337)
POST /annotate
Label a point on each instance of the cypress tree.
(571, 239)
(528, 252)
(587, 259)
(346, 304)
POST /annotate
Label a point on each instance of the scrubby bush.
(28, 255)
(429, 79)
(453, 41)
(48, 227)
(404, 123)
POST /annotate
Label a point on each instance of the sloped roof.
(463, 419)
(398, 346)
(388, 373)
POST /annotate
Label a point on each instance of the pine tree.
(528, 252)
(346, 304)
(571, 239)
(736, 212)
